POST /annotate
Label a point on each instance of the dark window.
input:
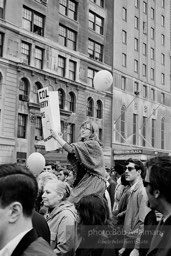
(33, 21)
(144, 131)
(90, 76)
(95, 50)
(72, 102)
(61, 66)
(61, 96)
(100, 134)
(99, 109)
(23, 89)
(68, 8)
(90, 107)
(70, 133)
(96, 23)
(25, 53)
(38, 57)
(2, 6)
(67, 37)
(39, 130)
(1, 44)
(72, 70)
(21, 126)
(162, 132)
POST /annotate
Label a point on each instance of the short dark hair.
(17, 183)
(138, 166)
(160, 175)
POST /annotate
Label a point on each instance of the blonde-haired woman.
(61, 217)
(86, 158)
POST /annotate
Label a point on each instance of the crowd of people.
(87, 210)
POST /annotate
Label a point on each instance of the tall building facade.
(60, 45)
(142, 89)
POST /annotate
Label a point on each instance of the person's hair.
(138, 166)
(18, 184)
(61, 187)
(160, 175)
(93, 129)
(93, 210)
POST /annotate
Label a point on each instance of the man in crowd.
(136, 210)
(18, 192)
(158, 187)
(63, 174)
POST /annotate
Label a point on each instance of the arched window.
(72, 102)
(162, 132)
(36, 87)
(61, 95)
(99, 109)
(23, 89)
(123, 123)
(90, 106)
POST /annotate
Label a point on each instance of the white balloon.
(102, 80)
(36, 163)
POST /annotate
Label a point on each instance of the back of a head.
(160, 175)
(93, 210)
(18, 184)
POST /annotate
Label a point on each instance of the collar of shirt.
(10, 247)
(132, 187)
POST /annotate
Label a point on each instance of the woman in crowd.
(61, 217)
(95, 227)
(86, 158)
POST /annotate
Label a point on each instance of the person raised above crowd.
(86, 158)
(18, 192)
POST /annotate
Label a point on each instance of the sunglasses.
(129, 168)
(146, 183)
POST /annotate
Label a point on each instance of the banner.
(49, 109)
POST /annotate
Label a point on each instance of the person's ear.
(156, 193)
(15, 211)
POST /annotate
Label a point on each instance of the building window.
(99, 109)
(95, 50)
(144, 49)
(152, 13)
(162, 21)
(144, 70)
(25, 53)
(162, 40)
(136, 20)
(145, 7)
(1, 44)
(144, 27)
(1, 9)
(152, 94)
(162, 132)
(134, 129)
(163, 78)
(23, 89)
(163, 59)
(136, 66)
(33, 21)
(136, 3)
(70, 133)
(67, 37)
(124, 60)
(152, 53)
(153, 125)
(123, 83)
(22, 119)
(72, 70)
(39, 129)
(136, 44)
(90, 107)
(71, 100)
(163, 4)
(152, 74)
(144, 91)
(68, 8)
(100, 134)
(124, 14)
(61, 96)
(37, 86)
(123, 109)
(136, 87)
(144, 131)
(162, 98)
(99, 2)
(90, 76)
(124, 37)
(38, 57)
(152, 33)
(96, 23)
(61, 66)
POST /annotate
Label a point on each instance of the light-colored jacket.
(62, 224)
(136, 211)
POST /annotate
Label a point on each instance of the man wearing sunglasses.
(158, 187)
(136, 209)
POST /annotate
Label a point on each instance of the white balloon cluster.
(102, 80)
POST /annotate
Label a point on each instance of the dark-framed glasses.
(129, 168)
